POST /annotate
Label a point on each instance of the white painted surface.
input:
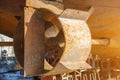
(9, 49)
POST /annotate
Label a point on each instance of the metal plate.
(19, 43)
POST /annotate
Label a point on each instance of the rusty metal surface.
(34, 43)
(8, 24)
(72, 37)
(55, 7)
(79, 15)
(15, 7)
(67, 41)
(19, 43)
(74, 44)
(103, 23)
(76, 39)
(77, 43)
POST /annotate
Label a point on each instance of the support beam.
(6, 43)
(103, 42)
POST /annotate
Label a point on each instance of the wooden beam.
(6, 43)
